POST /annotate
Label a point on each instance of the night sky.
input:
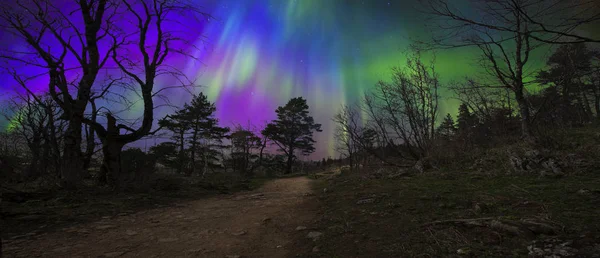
(257, 54)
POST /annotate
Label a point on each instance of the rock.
(105, 227)
(516, 163)
(479, 208)
(167, 240)
(300, 228)
(316, 249)
(583, 191)
(239, 233)
(551, 248)
(419, 166)
(113, 254)
(463, 251)
(552, 166)
(365, 201)
(314, 235)
(130, 232)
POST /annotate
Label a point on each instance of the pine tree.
(293, 130)
(465, 120)
(245, 144)
(178, 124)
(206, 135)
(195, 127)
(447, 128)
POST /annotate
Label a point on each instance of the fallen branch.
(526, 227)
(455, 221)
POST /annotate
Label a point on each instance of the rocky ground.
(260, 223)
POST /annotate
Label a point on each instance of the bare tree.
(482, 98)
(92, 34)
(34, 119)
(405, 110)
(507, 31)
(347, 133)
(48, 32)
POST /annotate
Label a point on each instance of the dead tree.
(506, 32)
(405, 109)
(51, 38)
(347, 134)
(74, 44)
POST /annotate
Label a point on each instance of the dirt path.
(261, 223)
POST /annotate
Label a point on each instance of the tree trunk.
(351, 158)
(111, 150)
(33, 170)
(90, 138)
(181, 153)
(52, 140)
(89, 148)
(71, 166)
(204, 150)
(597, 106)
(526, 131)
(193, 152)
(111, 164)
(290, 161)
(586, 107)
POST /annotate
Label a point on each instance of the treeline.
(198, 144)
(399, 123)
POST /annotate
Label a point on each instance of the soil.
(259, 223)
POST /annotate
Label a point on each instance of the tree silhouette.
(245, 144)
(195, 126)
(570, 67)
(178, 125)
(293, 130)
(93, 37)
(506, 33)
(447, 128)
(465, 120)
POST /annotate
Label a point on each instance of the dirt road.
(260, 223)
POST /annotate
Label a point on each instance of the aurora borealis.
(257, 54)
(262, 53)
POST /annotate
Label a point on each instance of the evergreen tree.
(195, 127)
(569, 67)
(293, 130)
(179, 125)
(245, 144)
(206, 135)
(465, 120)
(447, 128)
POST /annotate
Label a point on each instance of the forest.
(510, 171)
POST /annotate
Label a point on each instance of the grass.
(384, 218)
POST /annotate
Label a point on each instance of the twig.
(456, 221)
(519, 188)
